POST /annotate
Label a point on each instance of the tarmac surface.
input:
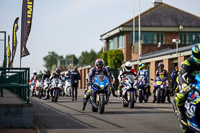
(66, 116)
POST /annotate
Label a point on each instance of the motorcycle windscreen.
(130, 78)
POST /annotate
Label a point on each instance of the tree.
(115, 58)
(103, 55)
(88, 58)
(51, 59)
(72, 56)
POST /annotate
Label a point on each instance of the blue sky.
(73, 26)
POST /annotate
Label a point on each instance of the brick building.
(159, 25)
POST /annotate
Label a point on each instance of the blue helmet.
(196, 53)
(141, 65)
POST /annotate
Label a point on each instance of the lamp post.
(177, 41)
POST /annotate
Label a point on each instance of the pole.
(133, 23)
(139, 47)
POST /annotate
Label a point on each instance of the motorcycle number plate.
(158, 83)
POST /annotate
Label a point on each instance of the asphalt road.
(65, 116)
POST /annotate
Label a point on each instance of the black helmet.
(58, 70)
(161, 65)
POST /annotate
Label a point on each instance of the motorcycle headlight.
(161, 86)
(102, 86)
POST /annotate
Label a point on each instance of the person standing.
(74, 76)
(173, 79)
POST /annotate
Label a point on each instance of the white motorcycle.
(129, 95)
(39, 86)
(56, 88)
(67, 88)
(46, 86)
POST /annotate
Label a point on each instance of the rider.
(46, 76)
(189, 69)
(33, 77)
(96, 70)
(162, 74)
(57, 74)
(110, 74)
(144, 73)
(123, 72)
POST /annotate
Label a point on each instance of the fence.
(16, 80)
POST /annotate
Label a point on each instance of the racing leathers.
(93, 72)
(143, 73)
(46, 76)
(162, 74)
(187, 74)
(121, 77)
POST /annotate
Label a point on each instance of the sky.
(72, 26)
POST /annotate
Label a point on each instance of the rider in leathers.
(162, 74)
(144, 73)
(57, 74)
(46, 76)
(110, 74)
(96, 70)
(189, 69)
(123, 72)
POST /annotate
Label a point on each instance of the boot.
(154, 100)
(168, 98)
(84, 105)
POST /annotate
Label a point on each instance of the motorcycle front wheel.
(101, 104)
(132, 101)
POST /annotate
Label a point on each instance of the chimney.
(157, 2)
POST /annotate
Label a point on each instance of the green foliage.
(103, 55)
(72, 56)
(88, 58)
(115, 58)
(51, 59)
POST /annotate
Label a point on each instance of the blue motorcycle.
(192, 109)
(100, 93)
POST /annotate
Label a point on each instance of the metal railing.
(16, 80)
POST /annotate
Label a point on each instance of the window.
(193, 38)
(136, 37)
(62, 62)
(115, 43)
(148, 37)
(121, 41)
(183, 38)
(160, 38)
(111, 44)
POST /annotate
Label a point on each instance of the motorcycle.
(129, 95)
(142, 90)
(160, 84)
(67, 88)
(100, 93)
(56, 88)
(39, 88)
(46, 87)
(192, 108)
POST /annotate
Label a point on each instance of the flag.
(14, 39)
(26, 21)
(9, 52)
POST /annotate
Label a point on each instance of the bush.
(115, 58)
(103, 56)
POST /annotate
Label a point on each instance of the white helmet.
(128, 66)
(34, 72)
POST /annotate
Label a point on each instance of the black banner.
(9, 52)
(14, 39)
(27, 14)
